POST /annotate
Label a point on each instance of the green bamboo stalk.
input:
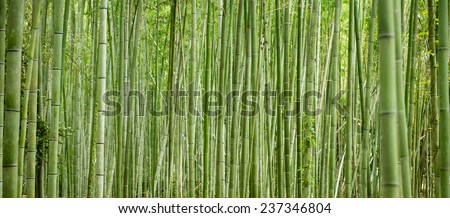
(279, 80)
(78, 111)
(32, 120)
(101, 89)
(243, 172)
(375, 191)
(26, 94)
(350, 99)
(310, 106)
(444, 110)
(402, 127)
(367, 139)
(93, 118)
(130, 106)
(171, 81)
(12, 98)
(2, 84)
(127, 88)
(72, 145)
(65, 158)
(234, 173)
(388, 104)
(32, 124)
(42, 73)
(58, 6)
(433, 92)
(299, 120)
(362, 102)
(220, 152)
(286, 89)
(133, 110)
(192, 100)
(416, 142)
(120, 117)
(254, 176)
(334, 75)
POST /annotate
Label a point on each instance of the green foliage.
(42, 133)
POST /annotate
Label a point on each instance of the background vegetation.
(367, 81)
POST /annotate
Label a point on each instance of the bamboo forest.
(224, 99)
